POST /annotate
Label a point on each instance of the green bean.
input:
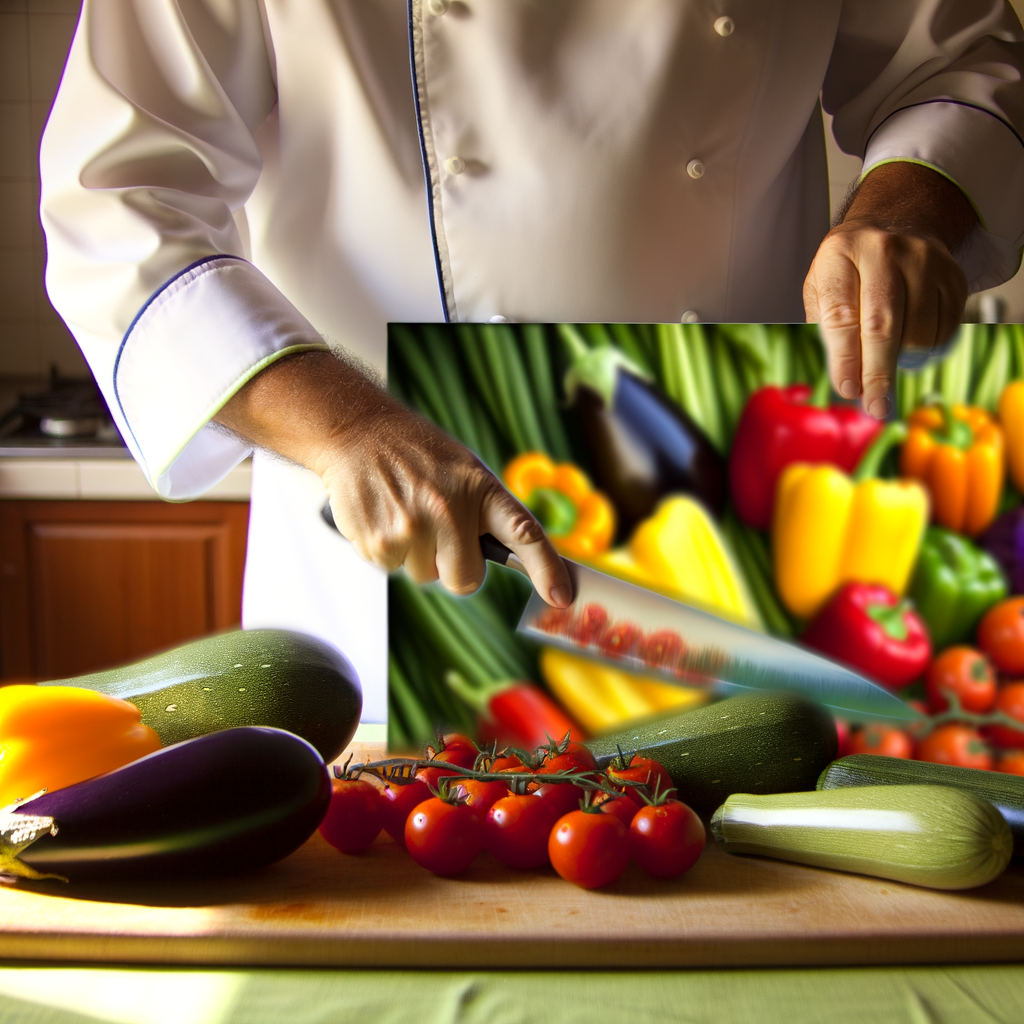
(472, 351)
(441, 347)
(538, 358)
(705, 386)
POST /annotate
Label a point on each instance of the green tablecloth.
(914, 995)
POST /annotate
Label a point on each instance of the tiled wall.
(34, 40)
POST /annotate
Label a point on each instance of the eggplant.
(642, 445)
(220, 804)
(1004, 541)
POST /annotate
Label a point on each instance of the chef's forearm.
(302, 406)
(910, 198)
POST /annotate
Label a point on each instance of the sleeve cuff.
(196, 341)
(981, 156)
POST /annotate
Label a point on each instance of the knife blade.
(643, 631)
(685, 645)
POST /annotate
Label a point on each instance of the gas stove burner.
(82, 426)
(68, 409)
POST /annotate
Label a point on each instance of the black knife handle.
(491, 548)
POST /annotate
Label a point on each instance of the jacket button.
(498, 319)
(723, 26)
(439, 7)
(691, 316)
(695, 168)
(455, 165)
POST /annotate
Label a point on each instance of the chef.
(238, 195)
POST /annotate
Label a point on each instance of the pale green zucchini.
(933, 836)
(1004, 792)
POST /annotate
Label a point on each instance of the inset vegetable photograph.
(711, 467)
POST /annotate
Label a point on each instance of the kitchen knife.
(645, 632)
(642, 631)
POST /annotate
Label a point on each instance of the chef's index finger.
(832, 298)
(512, 524)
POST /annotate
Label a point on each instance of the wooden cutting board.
(320, 907)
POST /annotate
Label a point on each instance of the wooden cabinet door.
(86, 585)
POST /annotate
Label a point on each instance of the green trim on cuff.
(219, 404)
(932, 167)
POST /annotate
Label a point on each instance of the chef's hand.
(402, 491)
(885, 278)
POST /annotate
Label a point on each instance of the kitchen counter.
(93, 473)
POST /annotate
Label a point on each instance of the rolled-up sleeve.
(940, 84)
(146, 163)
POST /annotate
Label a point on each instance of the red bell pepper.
(515, 713)
(780, 426)
(870, 629)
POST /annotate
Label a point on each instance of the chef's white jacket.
(228, 181)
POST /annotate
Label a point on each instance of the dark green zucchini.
(1004, 792)
(270, 677)
(756, 743)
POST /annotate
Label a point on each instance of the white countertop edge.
(114, 479)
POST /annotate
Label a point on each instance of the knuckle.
(839, 315)
(877, 382)
(524, 529)
(877, 324)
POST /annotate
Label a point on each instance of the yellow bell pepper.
(829, 528)
(679, 552)
(601, 697)
(1011, 418)
(55, 736)
(579, 520)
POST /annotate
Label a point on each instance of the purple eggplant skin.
(644, 447)
(225, 803)
(1004, 541)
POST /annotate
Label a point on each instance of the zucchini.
(269, 677)
(933, 836)
(755, 743)
(1004, 792)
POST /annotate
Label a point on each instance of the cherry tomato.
(666, 839)
(1011, 762)
(431, 774)
(620, 639)
(967, 674)
(640, 769)
(482, 795)
(563, 797)
(623, 807)
(571, 757)
(355, 815)
(663, 648)
(589, 624)
(444, 837)
(516, 831)
(458, 749)
(1001, 635)
(398, 803)
(589, 848)
(1010, 701)
(508, 763)
(957, 745)
(880, 739)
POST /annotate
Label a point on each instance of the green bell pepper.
(954, 584)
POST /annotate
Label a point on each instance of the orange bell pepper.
(958, 455)
(1011, 419)
(55, 736)
(579, 520)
